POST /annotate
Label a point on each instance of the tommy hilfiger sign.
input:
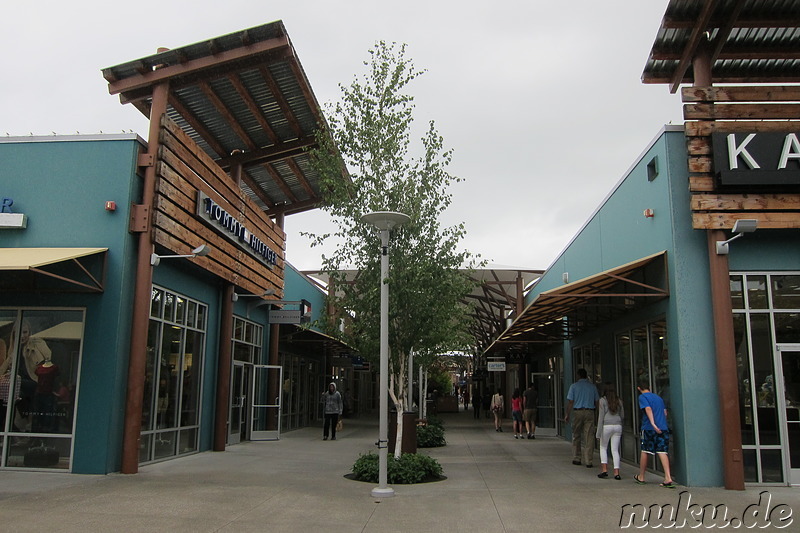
(216, 216)
(757, 158)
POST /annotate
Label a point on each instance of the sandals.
(668, 485)
(639, 481)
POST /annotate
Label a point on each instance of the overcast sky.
(541, 101)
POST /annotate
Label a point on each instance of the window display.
(39, 364)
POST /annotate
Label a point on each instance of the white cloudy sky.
(541, 101)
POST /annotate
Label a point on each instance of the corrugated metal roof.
(752, 41)
(246, 92)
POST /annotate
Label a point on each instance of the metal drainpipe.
(141, 298)
(722, 310)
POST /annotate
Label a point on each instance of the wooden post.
(141, 297)
(224, 369)
(727, 377)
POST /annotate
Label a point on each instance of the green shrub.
(436, 421)
(430, 436)
(410, 468)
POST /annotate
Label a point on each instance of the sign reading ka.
(757, 158)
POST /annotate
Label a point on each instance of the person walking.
(476, 405)
(333, 406)
(582, 398)
(498, 405)
(516, 413)
(655, 433)
(609, 429)
(530, 399)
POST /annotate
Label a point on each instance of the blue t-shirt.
(583, 394)
(654, 401)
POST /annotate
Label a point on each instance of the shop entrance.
(789, 410)
(545, 384)
(265, 414)
(238, 416)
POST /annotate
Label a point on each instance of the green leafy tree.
(371, 128)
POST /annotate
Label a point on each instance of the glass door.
(789, 407)
(237, 417)
(545, 385)
(265, 419)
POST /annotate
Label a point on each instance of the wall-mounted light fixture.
(201, 251)
(742, 226)
(235, 296)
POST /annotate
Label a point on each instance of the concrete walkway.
(494, 484)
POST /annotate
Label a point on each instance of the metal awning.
(55, 269)
(587, 304)
(244, 99)
(750, 41)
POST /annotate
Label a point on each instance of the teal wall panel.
(62, 187)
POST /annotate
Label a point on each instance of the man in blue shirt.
(582, 398)
(655, 433)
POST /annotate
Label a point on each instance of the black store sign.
(771, 158)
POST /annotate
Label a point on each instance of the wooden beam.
(690, 48)
(753, 93)
(223, 110)
(278, 94)
(195, 123)
(254, 109)
(745, 202)
(726, 220)
(152, 77)
(762, 111)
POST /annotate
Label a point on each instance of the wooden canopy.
(244, 99)
(750, 41)
(586, 304)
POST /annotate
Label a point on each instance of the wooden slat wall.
(737, 109)
(183, 169)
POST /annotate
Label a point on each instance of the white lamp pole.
(384, 221)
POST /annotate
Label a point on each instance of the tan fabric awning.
(29, 258)
(566, 311)
(82, 269)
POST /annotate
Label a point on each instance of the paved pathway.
(494, 484)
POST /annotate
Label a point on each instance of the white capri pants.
(611, 434)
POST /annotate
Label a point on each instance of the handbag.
(339, 425)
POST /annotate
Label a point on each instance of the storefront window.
(769, 317)
(757, 292)
(588, 358)
(39, 367)
(173, 375)
(746, 417)
(641, 355)
(785, 291)
(737, 294)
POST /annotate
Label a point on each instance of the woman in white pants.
(609, 429)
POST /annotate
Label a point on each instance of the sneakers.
(516, 436)
(531, 436)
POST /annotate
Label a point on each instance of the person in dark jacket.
(332, 408)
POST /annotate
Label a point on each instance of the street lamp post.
(384, 221)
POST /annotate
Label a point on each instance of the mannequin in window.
(44, 399)
(34, 350)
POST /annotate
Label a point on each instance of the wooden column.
(224, 361)
(727, 376)
(141, 297)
